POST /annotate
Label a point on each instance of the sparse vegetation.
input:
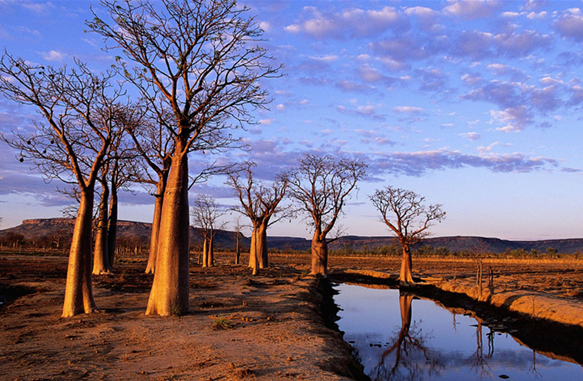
(221, 323)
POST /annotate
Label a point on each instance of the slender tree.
(261, 204)
(238, 226)
(321, 185)
(101, 263)
(195, 58)
(80, 112)
(206, 215)
(404, 213)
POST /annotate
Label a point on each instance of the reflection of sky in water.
(449, 348)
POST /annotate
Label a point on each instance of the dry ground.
(276, 328)
(272, 327)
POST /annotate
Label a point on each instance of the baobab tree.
(261, 204)
(101, 263)
(206, 214)
(404, 213)
(198, 58)
(238, 227)
(118, 171)
(80, 117)
(322, 185)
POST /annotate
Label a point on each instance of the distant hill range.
(37, 228)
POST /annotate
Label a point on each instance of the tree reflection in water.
(401, 360)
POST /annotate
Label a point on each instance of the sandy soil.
(273, 328)
(274, 323)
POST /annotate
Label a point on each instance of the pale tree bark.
(205, 248)
(211, 250)
(159, 200)
(169, 294)
(208, 255)
(404, 213)
(78, 287)
(321, 185)
(101, 264)
(253, 261)
(406, 274)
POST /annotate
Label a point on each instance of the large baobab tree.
(261, 204)
(206, 215)
(200, 59)
(80, 117)
(405, 214)
(322, 185)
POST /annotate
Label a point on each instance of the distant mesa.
(39, 227)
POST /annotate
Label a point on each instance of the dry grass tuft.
(222, 323)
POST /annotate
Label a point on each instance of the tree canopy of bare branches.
(321, 185)
(405, 214)
(261, 203)
(81, 115)
(200, 60)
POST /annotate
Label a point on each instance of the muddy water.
(398, 336)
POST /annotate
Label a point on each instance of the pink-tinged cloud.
(348, 23)
(471, 136)
(521, 44)
(473, 44)
(368, 111)
(408, 110)
(472, 9)
(515, 119)
(471, 79)
(418, 163)
(570, 24)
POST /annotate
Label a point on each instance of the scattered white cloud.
(408, 109)
(53, 56)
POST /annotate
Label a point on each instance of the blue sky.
(475, 105)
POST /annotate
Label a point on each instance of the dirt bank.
(267, 327)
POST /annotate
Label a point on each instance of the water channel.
(397, 336)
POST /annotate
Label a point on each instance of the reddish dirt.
(273, 323)
(240, 327)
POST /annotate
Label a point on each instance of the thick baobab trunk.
(207, 251)
(78, 289)
(100, 254)
(319, 255)
(112, 226)
(253, 261)
(261, 246)
(169, 294)
(154, 239)
(211, 250)
(406, 275)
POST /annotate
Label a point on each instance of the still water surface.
(400, 337)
